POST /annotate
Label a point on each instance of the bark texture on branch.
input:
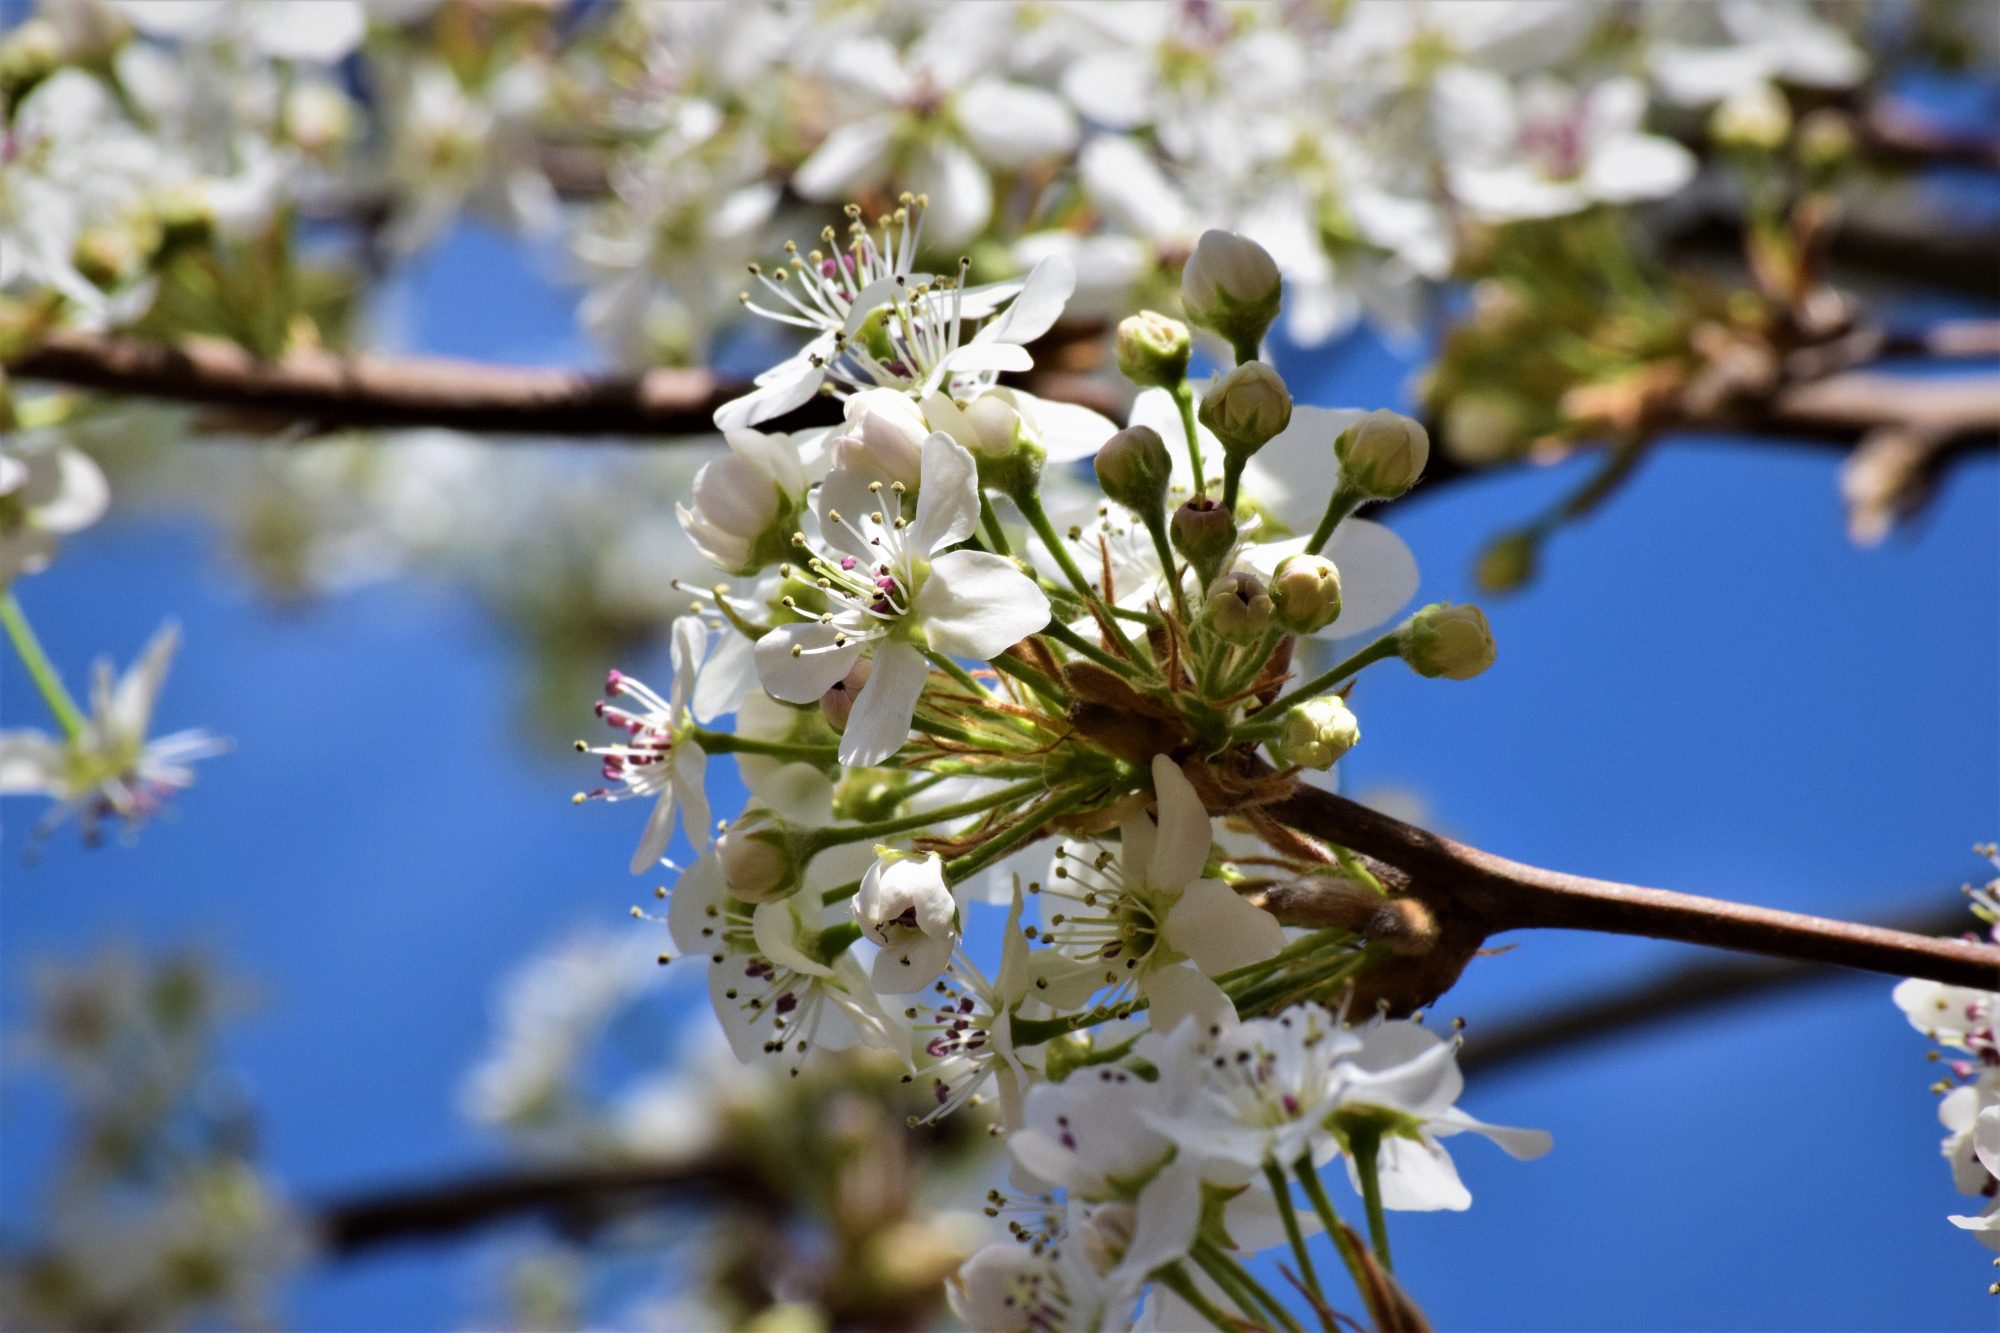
(1476, 895)
(327, 390)
(1666, 998)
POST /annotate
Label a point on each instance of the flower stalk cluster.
(958, 678)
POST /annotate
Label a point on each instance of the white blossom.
(1148, 919)
(48, 489)
(659, 756)
(899, 589)
(111, 769)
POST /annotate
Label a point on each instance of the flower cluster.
(945, 695)
(1961, 1023)
(1233, 1112)
(160, 1216)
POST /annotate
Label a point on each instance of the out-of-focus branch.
(1839, 411)
(325, 390)
(1476, 895)
(1668, 997)
(578, 1198)
(1896, 132)
(1895, 238)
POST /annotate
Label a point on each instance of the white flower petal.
(1035, 311)
(880, 720)
(977, 604)
(1416, 1177)
(1378, 576)
(31, 762)
(1180, 993)
(1185, 832)
(948, 500)
(1220, 930)
(804, 677)
(1011, 125)
(854, 157)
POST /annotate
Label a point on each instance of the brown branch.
(578, 1198)
(1477, 895)
(1666, 998)
(327, 390)
(1894, 131)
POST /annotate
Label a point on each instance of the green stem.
(1156, 528)
(1282, 989)
(1255, 660)
(1184, 400)
(1030, 506)
(956, 672)
(836, 837)
(1076, 643)
(1356, 869)
(1245, 349)
(1367, 1148)
(1233, 1276)
(986, 853)
(1338, 506)
(989, 522)
(1175, 1279)
(1030, 677)
(1322, 1205)
(1035, 1031)
(47, 679)
(725, 742)
(1387, 646)
(1282, 1192)
(1232, 475)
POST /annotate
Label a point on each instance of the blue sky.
(1709, 689)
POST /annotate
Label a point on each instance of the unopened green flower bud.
(1060, 1055)
(1134, 468)
(1481, 429)
(319, 118)
(186, 216)
(1153, 350)
(869, 795)
(1446, 640)
(1239, 607)
(1231, 285)
(30, 54)
(1318, 732)
(1001, 438)
(1383, 454)
(1247, 408)
(1755, 117)
(1205, 532)
(1306, 592)
(113, 253)
(1509, 561)
(761, 857)
(1826, 141)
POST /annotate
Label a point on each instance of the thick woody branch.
(1476, 894)
(1669, 997)
(325, 390)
